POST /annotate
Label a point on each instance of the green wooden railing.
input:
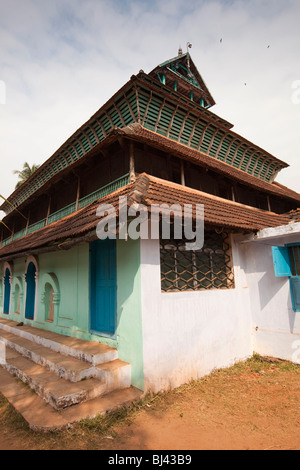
(107, 189)
(67, 210)
(36, 226)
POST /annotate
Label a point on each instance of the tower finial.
(179, 51)
(188, 46)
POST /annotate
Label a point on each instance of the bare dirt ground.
(252, 405)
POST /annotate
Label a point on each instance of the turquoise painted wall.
(71, 269)
(129, 308)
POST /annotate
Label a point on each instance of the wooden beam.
(203, 134)
(159, 115)
(147, 108)
(131, 162)
(137, 104)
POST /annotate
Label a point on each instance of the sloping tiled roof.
(217, 211)
(294, 216)
(146, 190)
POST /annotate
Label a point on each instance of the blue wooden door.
(30, 291)
(6, 291)
(294, 252)
(287, 264)
(103, 286)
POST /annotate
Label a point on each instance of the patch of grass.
(125, 414)
(9, 417)
(102, 423)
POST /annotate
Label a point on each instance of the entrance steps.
(63, 371)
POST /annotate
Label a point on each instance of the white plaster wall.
(188, 334)
(276, 327)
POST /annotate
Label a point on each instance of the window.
(209, 268)
(286, 261)
(294, 254)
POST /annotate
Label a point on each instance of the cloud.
(62, 60)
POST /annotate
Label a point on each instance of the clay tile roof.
(294, 216)
(217, 211)
(146, 190)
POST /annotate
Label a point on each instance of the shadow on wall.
(257, 262)
(270, 286)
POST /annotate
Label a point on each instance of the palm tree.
(25, 173)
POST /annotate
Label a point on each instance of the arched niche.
(17, 295)
(50, 297)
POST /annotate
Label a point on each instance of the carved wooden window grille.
(208, 268)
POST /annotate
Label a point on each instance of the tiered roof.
(153, 110)
(157, 107)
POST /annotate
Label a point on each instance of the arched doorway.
(7, 289)
(30, 291)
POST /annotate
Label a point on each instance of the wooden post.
(27, 223)
(269, 204)
(232, 193)
(182, 172)
(78, 194)
(131, 163)
(48, 211)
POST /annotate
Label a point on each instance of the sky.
(60, 61)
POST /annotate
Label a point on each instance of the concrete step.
(116, 374)
(40, 416)
(55, 391)
(89, 351)
(61, 379)
(63, 366)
